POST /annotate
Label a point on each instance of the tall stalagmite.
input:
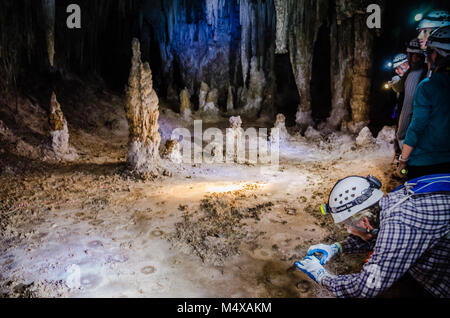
(142, 115)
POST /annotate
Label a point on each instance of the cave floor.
(86, 230)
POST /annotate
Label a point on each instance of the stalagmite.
(142, 115)
(211, 104)
(203, 93)
(58, 128)
(185, 108)
(280, 123)
(365, 138)
(281, 9)
(255, 90)
(234, 140)
(172, 151)
(312, 134)
(49, 15)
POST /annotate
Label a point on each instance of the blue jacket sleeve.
(421, 115)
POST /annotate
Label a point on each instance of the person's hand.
(401, 169)
(327, 251)
(311, 266)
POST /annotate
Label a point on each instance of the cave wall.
(228, 44)
(211, 41)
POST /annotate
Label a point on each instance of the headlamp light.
(324, 209)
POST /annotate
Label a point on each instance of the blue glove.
(311, 266)
(327, 251)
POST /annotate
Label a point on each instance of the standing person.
(426, 148)
(408, 232)
(431, 22)
(401, 67)
(416, 74)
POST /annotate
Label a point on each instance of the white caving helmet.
(352, 195)
(414, 47)
(434, 19)
(439, 41)
(399, 59)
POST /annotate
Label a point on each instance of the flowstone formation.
(142, 114)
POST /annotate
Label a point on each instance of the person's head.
(353, 202)
(431, 21)
(401, 64)
(439, 47)
(416, 56)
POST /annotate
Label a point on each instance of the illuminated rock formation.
(142, 115)
(59, 132)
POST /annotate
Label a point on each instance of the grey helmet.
(439, 41)
(434, 19)
(414, 46)
(399, 59)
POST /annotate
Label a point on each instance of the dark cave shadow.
(24, 166)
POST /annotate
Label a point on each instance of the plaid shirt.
(414, 237)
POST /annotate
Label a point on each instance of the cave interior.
(95, 191)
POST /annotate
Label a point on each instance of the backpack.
(437, 183)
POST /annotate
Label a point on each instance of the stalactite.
(142, 115)
(49, 14)
(281, 9)
(245, 21)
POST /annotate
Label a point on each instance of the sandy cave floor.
(208, 231)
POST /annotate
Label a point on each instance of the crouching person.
(407, 230)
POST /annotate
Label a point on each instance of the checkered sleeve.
(397, 248)
(356, 245)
